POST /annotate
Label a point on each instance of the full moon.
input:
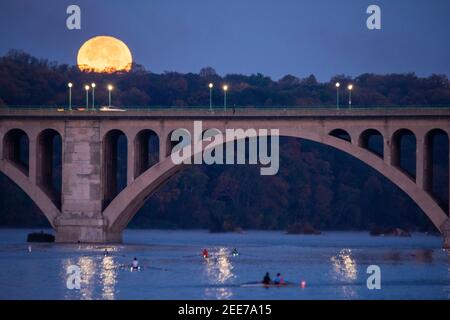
(104, 54)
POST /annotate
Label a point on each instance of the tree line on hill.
(26, 80)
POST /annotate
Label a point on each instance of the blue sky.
(273, 37)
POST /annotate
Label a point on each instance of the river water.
(333, 265)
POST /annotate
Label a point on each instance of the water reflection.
(108, 277)
(220, 293)
(344, 265)
(424, 255)
(87, 266)
(87, 272)
(97, 272)
(344, 269)
(63, 274)
(225, 266)
(219, 270)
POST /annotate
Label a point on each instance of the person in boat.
(279, 280)
(235, 252)
(135, 264)
(266, 279)
(106, 253)
(205, 253)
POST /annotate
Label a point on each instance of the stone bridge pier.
(81, 218)
(67, 162)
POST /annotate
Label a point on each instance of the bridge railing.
(64, 108)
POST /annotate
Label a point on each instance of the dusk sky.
(273, 37)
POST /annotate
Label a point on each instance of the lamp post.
(70, 85)
(225, 89)
(337, 94)
(110, 88)
(210, 96)
(350, 88)
(86, 87)
(93, 95)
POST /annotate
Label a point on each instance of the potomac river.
(332, 265)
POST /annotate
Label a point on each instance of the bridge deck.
(391, 112)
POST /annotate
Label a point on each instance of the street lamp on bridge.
(86, 87)
(350, 88)
(337, 94)
(225, 89)
(93, 95)
(70, 85)
(110, 88)
(210, 85)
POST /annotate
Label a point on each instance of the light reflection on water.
(87, 272)
(344, 265)
(345, 270)
(219, 270)
(103, 272)
(87, 267)
(108, 276)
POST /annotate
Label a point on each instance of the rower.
(135, 264)
(266, 279)
(235, 252)
(279, 280)
(205, 253)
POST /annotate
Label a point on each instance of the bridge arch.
(372, 140)
(39, 197)
(402, 150)
(146, 148)
(16, 149)
(29, 177)
(122, 209)
(432, 156)
(341, 134)
(111, 163)
(49, 164)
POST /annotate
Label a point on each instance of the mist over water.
(333, 265)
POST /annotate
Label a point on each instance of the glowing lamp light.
(350, 87)
(86, 87)
(225, 88)
(70, 85)
(110, 87)
(93, 85)
(210, 85)
(338, 84)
